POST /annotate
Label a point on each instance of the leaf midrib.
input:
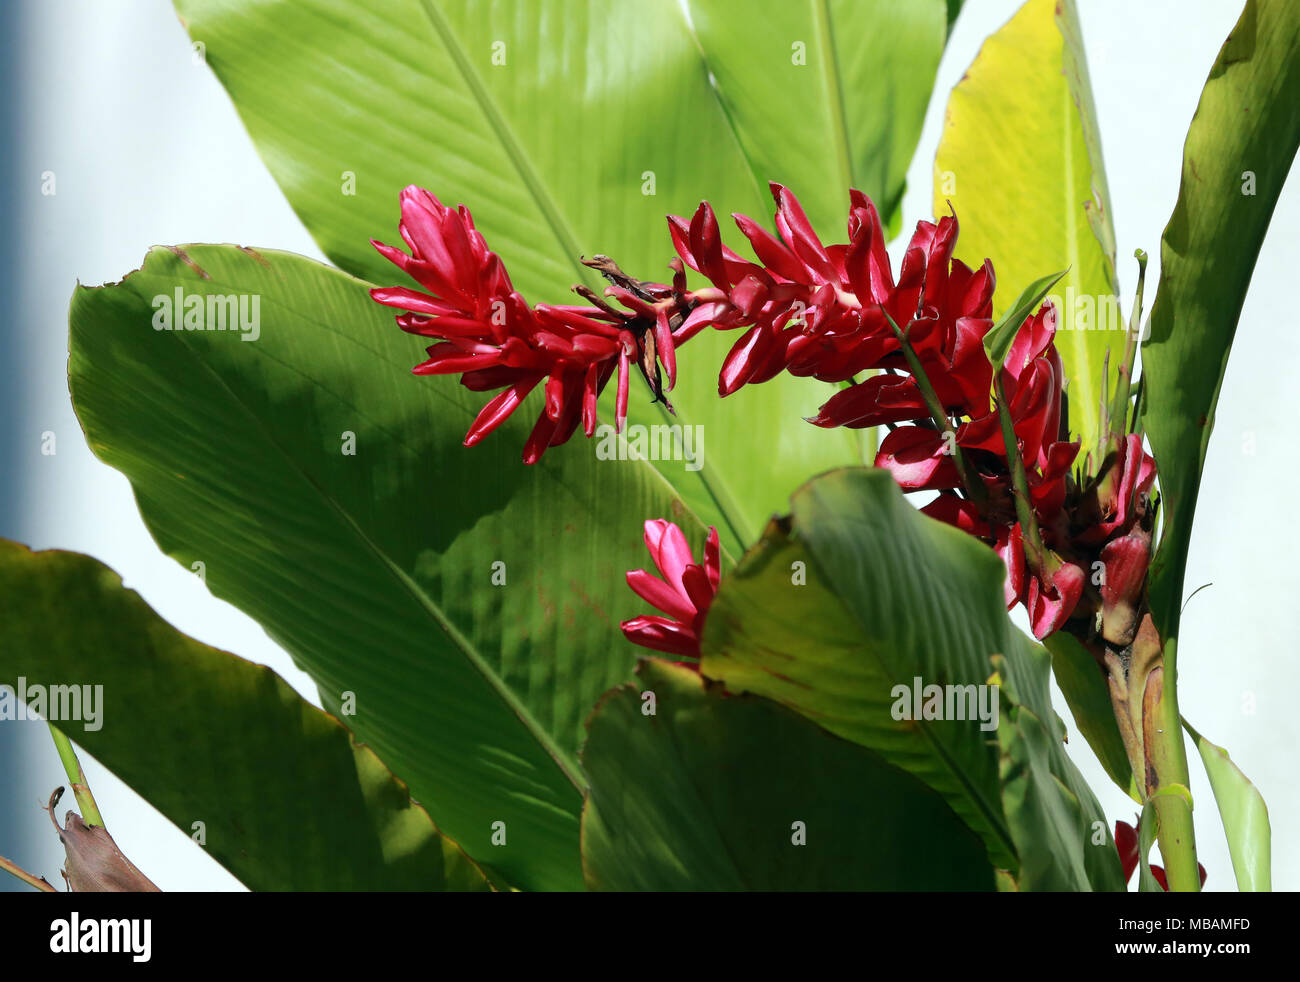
(940, 752)
(834, 89)
(715, 486)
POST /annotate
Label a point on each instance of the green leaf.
(1043, 814)
(1248, 120)
(1244, 814)
(858, 594)
(1020, 162)
(570, 131)
(286, 799)
(1147, 828)
(954, 9)
(851, 78)
(712, 791)
(470, 603)
(998, 341)
(1088, 696)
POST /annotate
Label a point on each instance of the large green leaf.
(1244, 814)
(705, 794)
(286, 800)
(469, 602)
(1147, 828)
(552, 119)
(851, 78)
(1020, 162)
(1239, 148)
(1043, 814)
(1085, 690)
(859, 593)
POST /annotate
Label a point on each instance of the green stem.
(76, 777)
(1136, 422)
(975, 489)
(39, 882)
(1172, 798)
(1020, 481)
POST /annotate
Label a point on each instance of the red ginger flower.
(816, 310)
(684, 594)
(826, 311)
(1126, 843)
(489, 335)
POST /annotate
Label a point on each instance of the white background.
(146, 149)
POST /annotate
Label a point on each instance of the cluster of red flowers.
(820, 311)
(1128, 846)
(832, 312)
(489, 335)
(684, 594)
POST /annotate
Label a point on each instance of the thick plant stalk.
(1145, 700)
(1172, 797)
(1153, 716)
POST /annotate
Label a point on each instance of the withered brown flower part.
(94, 862)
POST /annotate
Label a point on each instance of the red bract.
(1127, 474)
(489, 335)
(1126, 841)
(684, 593)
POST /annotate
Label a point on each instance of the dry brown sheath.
(95, 864)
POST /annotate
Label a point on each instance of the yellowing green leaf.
(1020, 163)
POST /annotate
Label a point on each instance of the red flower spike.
(684, 593)
(829, 295)
(492, 338)
(825, 311)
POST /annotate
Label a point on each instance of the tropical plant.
(840, 699)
